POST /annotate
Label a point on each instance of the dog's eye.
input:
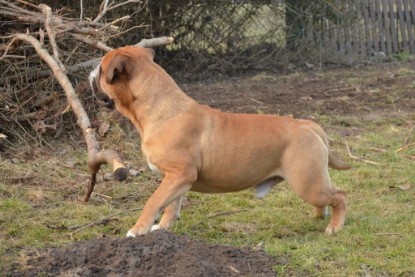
(109, 103)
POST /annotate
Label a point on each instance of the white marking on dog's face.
(100, 96)
(93, 75)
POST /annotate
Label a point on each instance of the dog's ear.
(119, 64)
(150, 52)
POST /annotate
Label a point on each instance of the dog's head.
(110, 80)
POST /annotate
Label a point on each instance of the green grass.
(378, 237)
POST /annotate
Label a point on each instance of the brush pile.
(44, 54)
(32, 100)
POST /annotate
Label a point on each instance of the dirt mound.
(160, 253)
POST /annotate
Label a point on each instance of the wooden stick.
(405, 147)
(97, 44)
(82, 227)
(87, 65)
(31, 116)
(47, 11)
(95, 157)
(357, 158)
(220, 214)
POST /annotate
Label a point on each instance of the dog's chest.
(153, 167)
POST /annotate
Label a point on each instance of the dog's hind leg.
(170, 214)
(309, 178)
(319, 192)
(338, 205)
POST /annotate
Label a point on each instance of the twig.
(410, 135)
(111, 24)
(106, 6)
(87, 65)
(327, 92)
(102, 11)
(47, 11)
(28, 4)
(220, 214)
(112, 7)
(81, 15)
(357, 158)
(389, 234)
(46, 100)
(7, 49)
(103, 195)
(82, 227)
(31, 116)
(97, 44)
(15, 57)
(256, 101)
(405, 147)
(152, 42)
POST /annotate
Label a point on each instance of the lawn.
(369, 109)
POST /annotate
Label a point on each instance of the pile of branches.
(42, 52)
(30, 96)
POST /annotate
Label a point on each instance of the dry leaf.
(403, 187)
(41, 127)
(69, 163)
(103, 128)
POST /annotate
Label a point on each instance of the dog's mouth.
(99, 95)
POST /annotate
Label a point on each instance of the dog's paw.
(331, 230)
(131, 234)
(155, 227)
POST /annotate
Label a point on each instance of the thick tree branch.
(57, 27)
(87, 65)
(95, 157)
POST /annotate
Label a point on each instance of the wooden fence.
(365, 27)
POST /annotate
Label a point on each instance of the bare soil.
(386, 88)
(160, 253)
(385, 91)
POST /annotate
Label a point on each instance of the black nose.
(104, 101)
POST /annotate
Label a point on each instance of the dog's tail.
(334, 161)
(337, 163)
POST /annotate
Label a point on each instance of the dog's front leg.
(170, 214)
(172, 188)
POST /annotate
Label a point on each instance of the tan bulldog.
(201, 149)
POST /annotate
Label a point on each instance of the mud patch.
(160, 253)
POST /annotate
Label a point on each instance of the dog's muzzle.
(100, 96)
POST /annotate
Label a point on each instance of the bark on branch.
(95, 157)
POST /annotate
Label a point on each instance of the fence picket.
(366, 23)
(393, 26)
(375, 37)
(359, 28)
(402, 28)
(407, 18)
(365, 27)
(386, 24)
(412, 4)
